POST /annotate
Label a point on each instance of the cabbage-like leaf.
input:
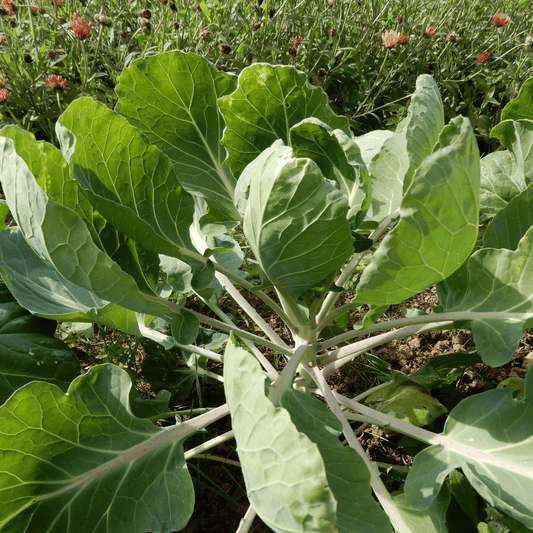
(41, 289)
(270, 100)
(438, 226)
(60, 237)
(172, 99)
(347, 474)
(490, 437)
(498, 281)
(29, 351)
(283, 470)
(522, 106)
(507, 173)
(500, 182)
(511, 223)
(370, 143)
(339, 160)
(393, 167)
(82, 462)
(294, 220)
(51, 172)
(428, 520)
(130, 182)
(408, 401)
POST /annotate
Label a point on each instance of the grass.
(336, 42)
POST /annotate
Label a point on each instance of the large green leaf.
(82, 462)
(500, 181)
(130, 182)
(60, 237)
(285, 477)
(393, 167)
(490, 437)
(172, 99)
(51, 172)
(370, 143)
(429, 520)
(40, 288)
(505, 174)
(498, 280)
(29, 351)
(439, 222)
(267, 103)
(522, 106)
(511, 223)
(295, 221)
(347, 474)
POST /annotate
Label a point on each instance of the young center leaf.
(400, 155)
(82, 462)
(295, 220)
(270, 100)
(438, 226)
(339, 159)
(172, 99)
(283, 470)
(489, 436)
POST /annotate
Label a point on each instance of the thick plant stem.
(337, 358)
(442, 320)
(250, 287)
(271, 371)
(286, 377)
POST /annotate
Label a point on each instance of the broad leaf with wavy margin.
(172, 99)
(283, 470)
(490, 437)
(438, 226)
(267, 103)
(60, 237)
(81, 462)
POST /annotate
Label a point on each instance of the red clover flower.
(390, 38)
(429, 31)
(57, 83)
(500, 19)
(80, 28)
(4, 94)
(481, 58)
